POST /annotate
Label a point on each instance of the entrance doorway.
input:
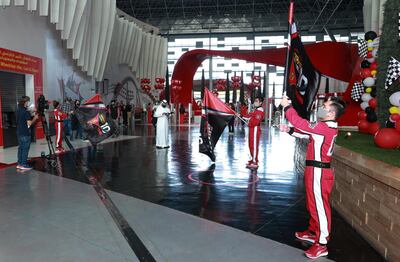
(12, 87)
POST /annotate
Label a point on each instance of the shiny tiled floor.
(268, 203)
(45, 218)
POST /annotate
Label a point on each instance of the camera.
(42, 104)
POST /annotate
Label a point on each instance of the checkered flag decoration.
(357, 91)
(393, 72)
(362, 47)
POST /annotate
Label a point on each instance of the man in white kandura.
(162, 113)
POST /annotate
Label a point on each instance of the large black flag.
(92, 115)
(215, 116)
(303, 79)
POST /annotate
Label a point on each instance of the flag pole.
(287, 66)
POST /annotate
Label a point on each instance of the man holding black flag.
(318, 175)
(301, 84)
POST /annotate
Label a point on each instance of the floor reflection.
(269, 202)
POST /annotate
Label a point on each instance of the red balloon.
(362, 115)
(363, 126)
(373, 127)
(394, 117)
(397, 125)
(366, 72)
(373, 66)
(387, 138)
(369, 54)
(372, 102)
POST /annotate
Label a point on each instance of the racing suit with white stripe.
(59, 117)
(318, 175)
(255, 119)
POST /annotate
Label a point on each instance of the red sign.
(16, 62)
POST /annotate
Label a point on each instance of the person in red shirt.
(255, 118)
(59, 117)
(318, 175)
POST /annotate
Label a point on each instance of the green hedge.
(364, 144)
(389, 46)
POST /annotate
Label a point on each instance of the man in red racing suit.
(255, 118)
(318, 175)
(59, 117)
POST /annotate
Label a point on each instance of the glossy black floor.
(269, 203)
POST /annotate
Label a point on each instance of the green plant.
(389, 46)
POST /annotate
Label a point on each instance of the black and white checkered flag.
(393, 72)
(357, 91)
(362, 47)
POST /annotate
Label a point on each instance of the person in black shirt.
(114, 113)
(24, 123)
(231, 123)
(124, 114)
(129, 113)
(182, 112)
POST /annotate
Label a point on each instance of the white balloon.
(371, 60)
(395, 99)
(370, 44)
(375, 43)
(366, 97)
(369, 81)
(375, 52)
(364, 105)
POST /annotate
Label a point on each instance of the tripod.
(51, 157)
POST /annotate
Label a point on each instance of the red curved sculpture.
(332, 59)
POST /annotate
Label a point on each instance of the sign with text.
(16, 62)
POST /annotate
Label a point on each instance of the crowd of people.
(121, 113)
(66, 122)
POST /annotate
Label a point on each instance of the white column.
(381, 13)
(32, 5)
(367, 15)
(43, 7)
(375, 16)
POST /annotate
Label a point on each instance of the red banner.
(16, 62)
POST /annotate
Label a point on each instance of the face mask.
(322, 112)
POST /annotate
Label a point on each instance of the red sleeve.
(301, 124)
(243, 111)
(246, 115)
(256, 118)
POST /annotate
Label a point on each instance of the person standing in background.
(129, 113)
(59, 118)
(75, 122)
(113, 111)
(149, 113)
(67, 108)
(24, 125)
(231, 124)
(124, 114)
(255, 118)
(182, 112)
(162, 114)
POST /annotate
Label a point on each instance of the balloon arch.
(333, 59)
